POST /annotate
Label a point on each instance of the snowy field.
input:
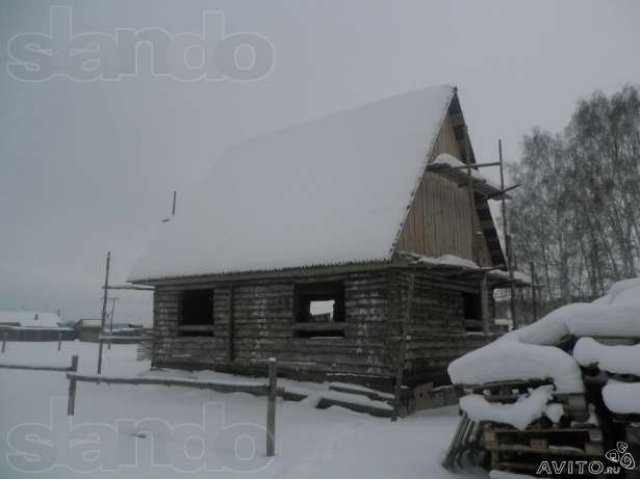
(146, 430)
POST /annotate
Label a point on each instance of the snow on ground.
(130, 423)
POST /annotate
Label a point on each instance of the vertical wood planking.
(438, 219)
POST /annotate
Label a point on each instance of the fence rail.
(130, 338)
(254, 388)
(72, 368)
(270, 389)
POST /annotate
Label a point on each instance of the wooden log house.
(337, 247)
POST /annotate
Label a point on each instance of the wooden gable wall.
(438, 221)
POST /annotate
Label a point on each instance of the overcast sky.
(90, 166)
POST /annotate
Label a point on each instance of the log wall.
(263, 325)
(435, 332)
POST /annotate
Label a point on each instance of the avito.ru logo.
(619, 456)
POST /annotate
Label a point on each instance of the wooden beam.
(507, 240)
(472, 198)
(71, 400)
(231, 354)
(127, 287)
(104, 311)
(402, 348)
(484, 303)
(202, 281)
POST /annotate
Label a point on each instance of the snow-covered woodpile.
(564, 389)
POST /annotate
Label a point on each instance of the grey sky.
(89, 167)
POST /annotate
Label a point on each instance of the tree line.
(576, 214)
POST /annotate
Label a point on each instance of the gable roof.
(325, 192)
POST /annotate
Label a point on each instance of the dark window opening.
(196, 313)
(319, 310)
(472, 310)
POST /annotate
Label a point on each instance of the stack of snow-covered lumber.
(557, 386)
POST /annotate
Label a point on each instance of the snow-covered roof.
(456, 171)
(30, 319)
(330, 191)
(453, 262)
(88, 322)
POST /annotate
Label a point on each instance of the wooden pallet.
(522, 451)
(533, 445)
(575, 405)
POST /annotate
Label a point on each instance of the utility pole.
(507, 240)
(113, 307)
(104, 311)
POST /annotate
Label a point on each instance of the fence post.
(59, 341)
(71, 402)
(99, 371)
(271, 407)
(4, 340)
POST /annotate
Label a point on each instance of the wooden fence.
(71, 369)
(51, 368)
(270, 389)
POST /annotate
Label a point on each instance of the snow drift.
(532, 353)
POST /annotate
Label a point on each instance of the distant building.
(88, 329)
(30, 319)
(33, 326)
